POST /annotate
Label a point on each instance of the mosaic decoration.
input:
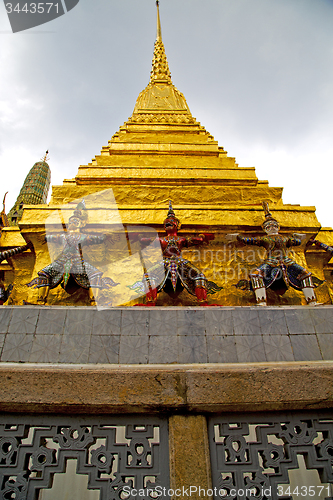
(117, 454)
(252, 455)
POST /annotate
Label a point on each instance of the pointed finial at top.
(3, 217)
(160, 69)
(159, 31)
(45, 157)
(3, 203)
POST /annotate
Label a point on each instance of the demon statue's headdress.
(80, 213)
(171, 216)
(268, 216)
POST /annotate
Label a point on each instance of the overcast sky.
(258, 74)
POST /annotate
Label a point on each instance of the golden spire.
(158, 31)
(160, 102)
(160, 69)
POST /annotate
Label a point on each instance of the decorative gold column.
(189, 456)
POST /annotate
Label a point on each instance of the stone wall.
(142, 335)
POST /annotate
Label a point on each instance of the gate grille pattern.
(112, 452)
(254, 453)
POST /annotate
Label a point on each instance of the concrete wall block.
(51, 321)
(74, 349)
(305, 347)
(222, 349)
(246, 321)
(5, 317)
(278, 348)
(104, 349)
(299, 320)
(250, 348)
(326, 345)
(45, 348)
(107, 322)
(135, 322)
(219, 321)
(24, 320)
(191, 322)
(17, 347)
(133, 349)
(163, 323)
(163, 349)
(192, 349)
(79, 321)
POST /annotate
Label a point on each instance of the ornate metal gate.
(252, 455)
(117, 454)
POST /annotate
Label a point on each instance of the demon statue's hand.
(299, 236)
(40, 238)
(311, 241)
(112, 238)
(207, 237)
(231, 238)
(29, 245)
(141, 237)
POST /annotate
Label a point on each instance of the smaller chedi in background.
(34, 191)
